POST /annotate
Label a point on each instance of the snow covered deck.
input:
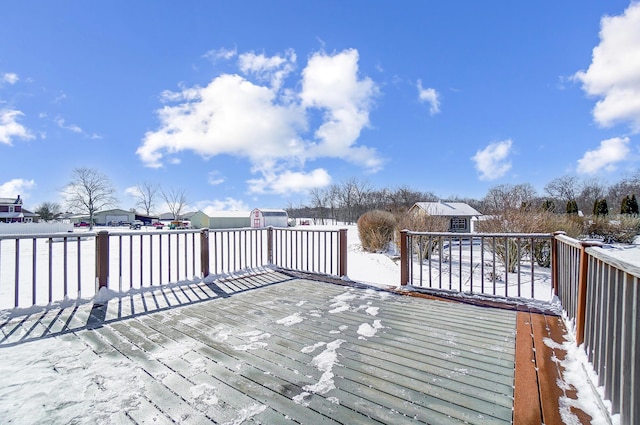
(274, 348)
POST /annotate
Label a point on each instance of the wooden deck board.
(360, 367)
(527, 407)
(249, 350)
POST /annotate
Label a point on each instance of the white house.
(263, 217)
(11, 211)
(461, 216)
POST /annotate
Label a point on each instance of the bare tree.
(176, 200)
(89, 191)
(319, 200)
(49, 211)
(591, 191)
(146, 194)
(563, 189)
(351, 196)
(626, 187)
(403, 198)
(506, 197)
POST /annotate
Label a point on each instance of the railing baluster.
(420, 260)
(17, 273)
(482, 264)
(79, 265)
(141, 260)
(34, 272)
(460, 264)
(518, 257)
(130, 261)
(64, 265)
(50, 251)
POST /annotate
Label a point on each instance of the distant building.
(11, 211)
(197, 220)
(146, 219)
(112, 217)
(229, 219)
(263, 217)
(461, 216)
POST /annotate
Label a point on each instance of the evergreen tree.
(633, 205)
(600, 207)
(572, 207)
(548, 205)
(624, 206)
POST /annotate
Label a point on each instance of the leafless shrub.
(376, 229)
(510, 251)
(421, 222)
(621, 229)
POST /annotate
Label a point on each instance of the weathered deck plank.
(527, 406)
(386, 360)
(272, 349)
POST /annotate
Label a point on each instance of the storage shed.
(262, 217)
(229, 219)
(113, 217)
(198, 220)
(461, 216)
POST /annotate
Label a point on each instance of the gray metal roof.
(448, 209)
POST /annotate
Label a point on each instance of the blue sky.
(251, 104)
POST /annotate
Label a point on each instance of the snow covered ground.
(114, 381)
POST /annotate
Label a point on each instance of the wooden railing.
(39, 269)
(601, 293)
(500, 264)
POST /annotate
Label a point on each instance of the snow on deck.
(267, 348)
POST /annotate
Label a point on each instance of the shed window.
(458, 223)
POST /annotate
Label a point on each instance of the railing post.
(554, 262)
(342, 261)
(404, 257)
(102, 260)
(581, 308)
(204, 252)
(269, 245)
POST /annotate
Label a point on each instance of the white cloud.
(229, 116)
(610, 152)
(71, 127)
(330, 84)
(227, 204)
(10, 128)
(15, 187)
(290, 182)
(10, 78)
(133, 191)
(430, 96)
(614, 73)
(60, 122)
(273, 69)
(266, 123)
(492, 161)
(60, 97)
(216, 54)
(215, 178)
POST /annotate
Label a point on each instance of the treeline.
(347, 201)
